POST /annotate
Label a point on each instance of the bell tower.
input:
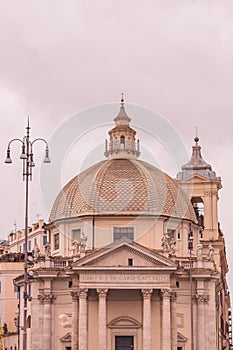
(122, 142)
(202, 185)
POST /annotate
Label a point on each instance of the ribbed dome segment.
(122, 187)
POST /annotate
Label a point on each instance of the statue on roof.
(47, 250)
(83, 241)
(210, 255)
(172, 247)
(165, 243)
(36, 251)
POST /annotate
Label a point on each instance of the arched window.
(198, 207)
(122, 142)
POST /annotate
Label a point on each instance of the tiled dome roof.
(122, 187)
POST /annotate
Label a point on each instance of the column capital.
(82, 293)
(173, 296)
(146, 293)
(74, 295)
(201, 298)
(102, 292)
(165, 293)
(46, 298)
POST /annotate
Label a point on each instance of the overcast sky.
(59, 57)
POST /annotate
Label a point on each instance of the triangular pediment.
(125, 254)
(181, 338)
(66, 338)
(195, 177)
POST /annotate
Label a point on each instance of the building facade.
(135, 260)
(37, 238)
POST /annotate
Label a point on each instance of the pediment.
(66, 338)
(197, 178)
(124, 322)
(181, 338)
(119, 253)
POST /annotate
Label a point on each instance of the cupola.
(122, 142)
(196, 165)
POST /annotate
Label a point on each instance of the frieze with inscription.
(134, 278)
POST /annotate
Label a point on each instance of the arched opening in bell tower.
(122, 142)
(198, 206)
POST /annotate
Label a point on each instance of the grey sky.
(58, 57)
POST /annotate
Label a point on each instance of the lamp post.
(28, 164)
(190, 248)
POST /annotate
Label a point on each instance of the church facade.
(136, 259)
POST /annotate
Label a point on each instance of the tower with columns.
(120, 274)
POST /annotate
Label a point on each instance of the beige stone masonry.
(83, 319)
(102, 293)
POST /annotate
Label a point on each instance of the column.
(102, 293)
(173, 321)
(47, 299)
(82, 319)
(38, 324)
(74, 330)
(146, 293)
(201, 299)
(166, 319)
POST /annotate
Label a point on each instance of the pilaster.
(146, 293)
(166, 319)
(201, 299)
(102, 293)
(74, 332)
(82, 319)
(47, 299)
(173, 296)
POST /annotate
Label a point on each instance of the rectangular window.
(16, 288)
(35, 241)
(44, 240)
(119, 232)
(20, 249)
(29, 246)
(75, 234)
(130, 262)
(56, 241)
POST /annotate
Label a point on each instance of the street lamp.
(28, 164)
(190, 248)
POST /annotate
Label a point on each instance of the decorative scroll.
(147, 293)
(165, 293)
(74, 296)
(102, 292)
(202, 298)
(82, 293)
(173, 296)
(46, 298)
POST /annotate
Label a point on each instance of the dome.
(124, 187)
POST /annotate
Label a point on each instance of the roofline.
(89, 215)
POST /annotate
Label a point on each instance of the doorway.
(124, 342)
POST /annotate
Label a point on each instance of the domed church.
(135, 260)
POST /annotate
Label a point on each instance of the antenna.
(15, 226)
